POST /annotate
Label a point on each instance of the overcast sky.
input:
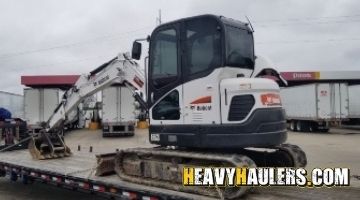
(41, 37)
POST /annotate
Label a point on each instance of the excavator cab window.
(202, 47)
(164, 62)
(239, 47)
(168, 108)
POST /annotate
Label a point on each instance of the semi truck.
(118, 111)
(207, 106)
(312, 107)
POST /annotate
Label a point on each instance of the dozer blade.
(45, 145)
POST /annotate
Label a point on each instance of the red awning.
(49, 80)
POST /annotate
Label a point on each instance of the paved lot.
(339, 148)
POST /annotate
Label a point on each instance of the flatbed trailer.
(77, 173)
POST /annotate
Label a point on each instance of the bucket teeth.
(45, 146)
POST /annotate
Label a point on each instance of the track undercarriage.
(163, 167)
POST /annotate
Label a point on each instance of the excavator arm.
(49, 142)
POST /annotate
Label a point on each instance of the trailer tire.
(13, 176)
(293, 125)
(2, 173)
(312, 127)
(325, 130)
(300, 126)
(306, 126)
(25, 179)
(303, 126)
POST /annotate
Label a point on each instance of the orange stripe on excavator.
(202, 100)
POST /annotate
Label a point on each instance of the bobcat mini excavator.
(206, 104)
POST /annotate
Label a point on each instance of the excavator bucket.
(45, 145)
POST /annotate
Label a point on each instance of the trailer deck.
(77, 173)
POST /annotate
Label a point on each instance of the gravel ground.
(339, 148)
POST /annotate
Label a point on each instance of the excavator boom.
(49, 143)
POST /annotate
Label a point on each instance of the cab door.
(202, 56)
(165, 77)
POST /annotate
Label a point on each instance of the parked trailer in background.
(312, 107)
(39, 104)
(354, 102)
(12, 102)
(118, 111)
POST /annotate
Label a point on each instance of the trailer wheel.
(293, 125)
(299, 126)
(2, 173)
(312, 127)
(305, 126)
(325, 130)
(25, 179)
(13, 176)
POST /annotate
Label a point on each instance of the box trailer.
(312, 107)
(354, 101)
(118, 111)
(12, 102)
(39, 104)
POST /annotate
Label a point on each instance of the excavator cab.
(206, 108)
(201, 94)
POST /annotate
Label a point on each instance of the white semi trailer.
(12, 102)
(312, 107)
(354, 102)
(118, 111)
(39, 105)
